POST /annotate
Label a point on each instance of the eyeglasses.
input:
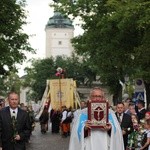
(97, 96)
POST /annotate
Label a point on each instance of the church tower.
(59, 32)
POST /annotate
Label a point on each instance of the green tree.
(44, 69)
(116, 36)
(77, 68)
(13, 41)
(37, 74)
(8, 83)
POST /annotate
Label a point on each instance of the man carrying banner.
(107, 138)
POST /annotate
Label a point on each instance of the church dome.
(59, 21)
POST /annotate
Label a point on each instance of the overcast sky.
(38, 14)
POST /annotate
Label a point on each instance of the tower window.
(59, 42)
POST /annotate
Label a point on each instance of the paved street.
(47, 141)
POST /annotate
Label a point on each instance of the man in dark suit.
(125, 122)
(140, 109)
(14, 125)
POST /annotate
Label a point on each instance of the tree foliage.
(8, 83)
(13, 41)
(116, 37)
(45, 69)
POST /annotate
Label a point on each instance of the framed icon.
(98, 113)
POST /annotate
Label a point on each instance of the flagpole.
(60, 100)
(60, 73)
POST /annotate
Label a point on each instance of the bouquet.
(134, 138)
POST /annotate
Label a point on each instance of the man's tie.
(119, 118)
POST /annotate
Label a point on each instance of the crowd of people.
(128, 126)
(128, 120)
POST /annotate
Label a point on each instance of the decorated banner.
(61, 91)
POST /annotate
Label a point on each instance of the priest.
(107, 138)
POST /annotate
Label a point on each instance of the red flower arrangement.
(60, 72)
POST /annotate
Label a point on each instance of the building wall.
(58, 41)
(23, 95)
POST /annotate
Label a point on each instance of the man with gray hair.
(99, 138)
